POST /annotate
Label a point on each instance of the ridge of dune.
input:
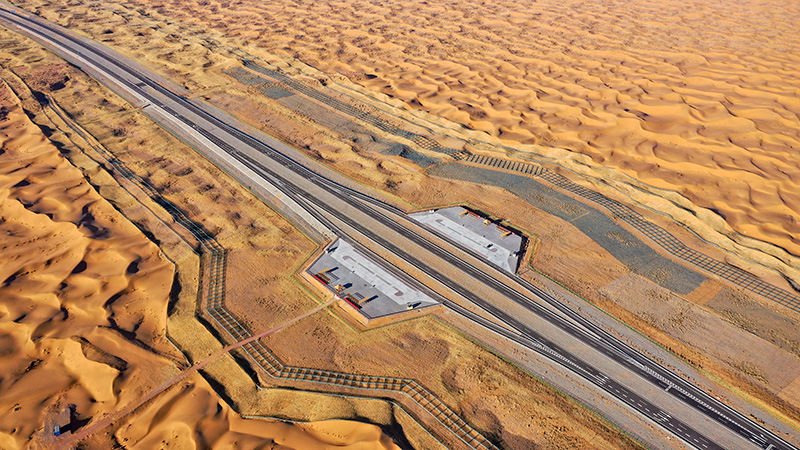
(83, 298)
(192, 413)
(677, 106)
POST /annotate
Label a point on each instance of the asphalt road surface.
(343, 208)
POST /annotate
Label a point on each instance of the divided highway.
(342, 207)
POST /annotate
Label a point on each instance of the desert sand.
(699, 98)
(564, 253)
(402, 178)
(83, 317)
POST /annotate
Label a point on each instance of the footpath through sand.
(69, 440)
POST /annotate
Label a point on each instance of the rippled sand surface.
(701, 97)
(83, 307)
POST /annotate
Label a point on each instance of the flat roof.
(497, 244)
(365, 282)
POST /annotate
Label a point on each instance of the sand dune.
(83, 297)
(696, 97)
(191, 415)
(81, 285)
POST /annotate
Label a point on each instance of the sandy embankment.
(699, 98)
(83, 304)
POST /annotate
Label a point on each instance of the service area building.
(373, 289)
(499, 245)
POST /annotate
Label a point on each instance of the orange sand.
(702, 98)
(83, 297)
